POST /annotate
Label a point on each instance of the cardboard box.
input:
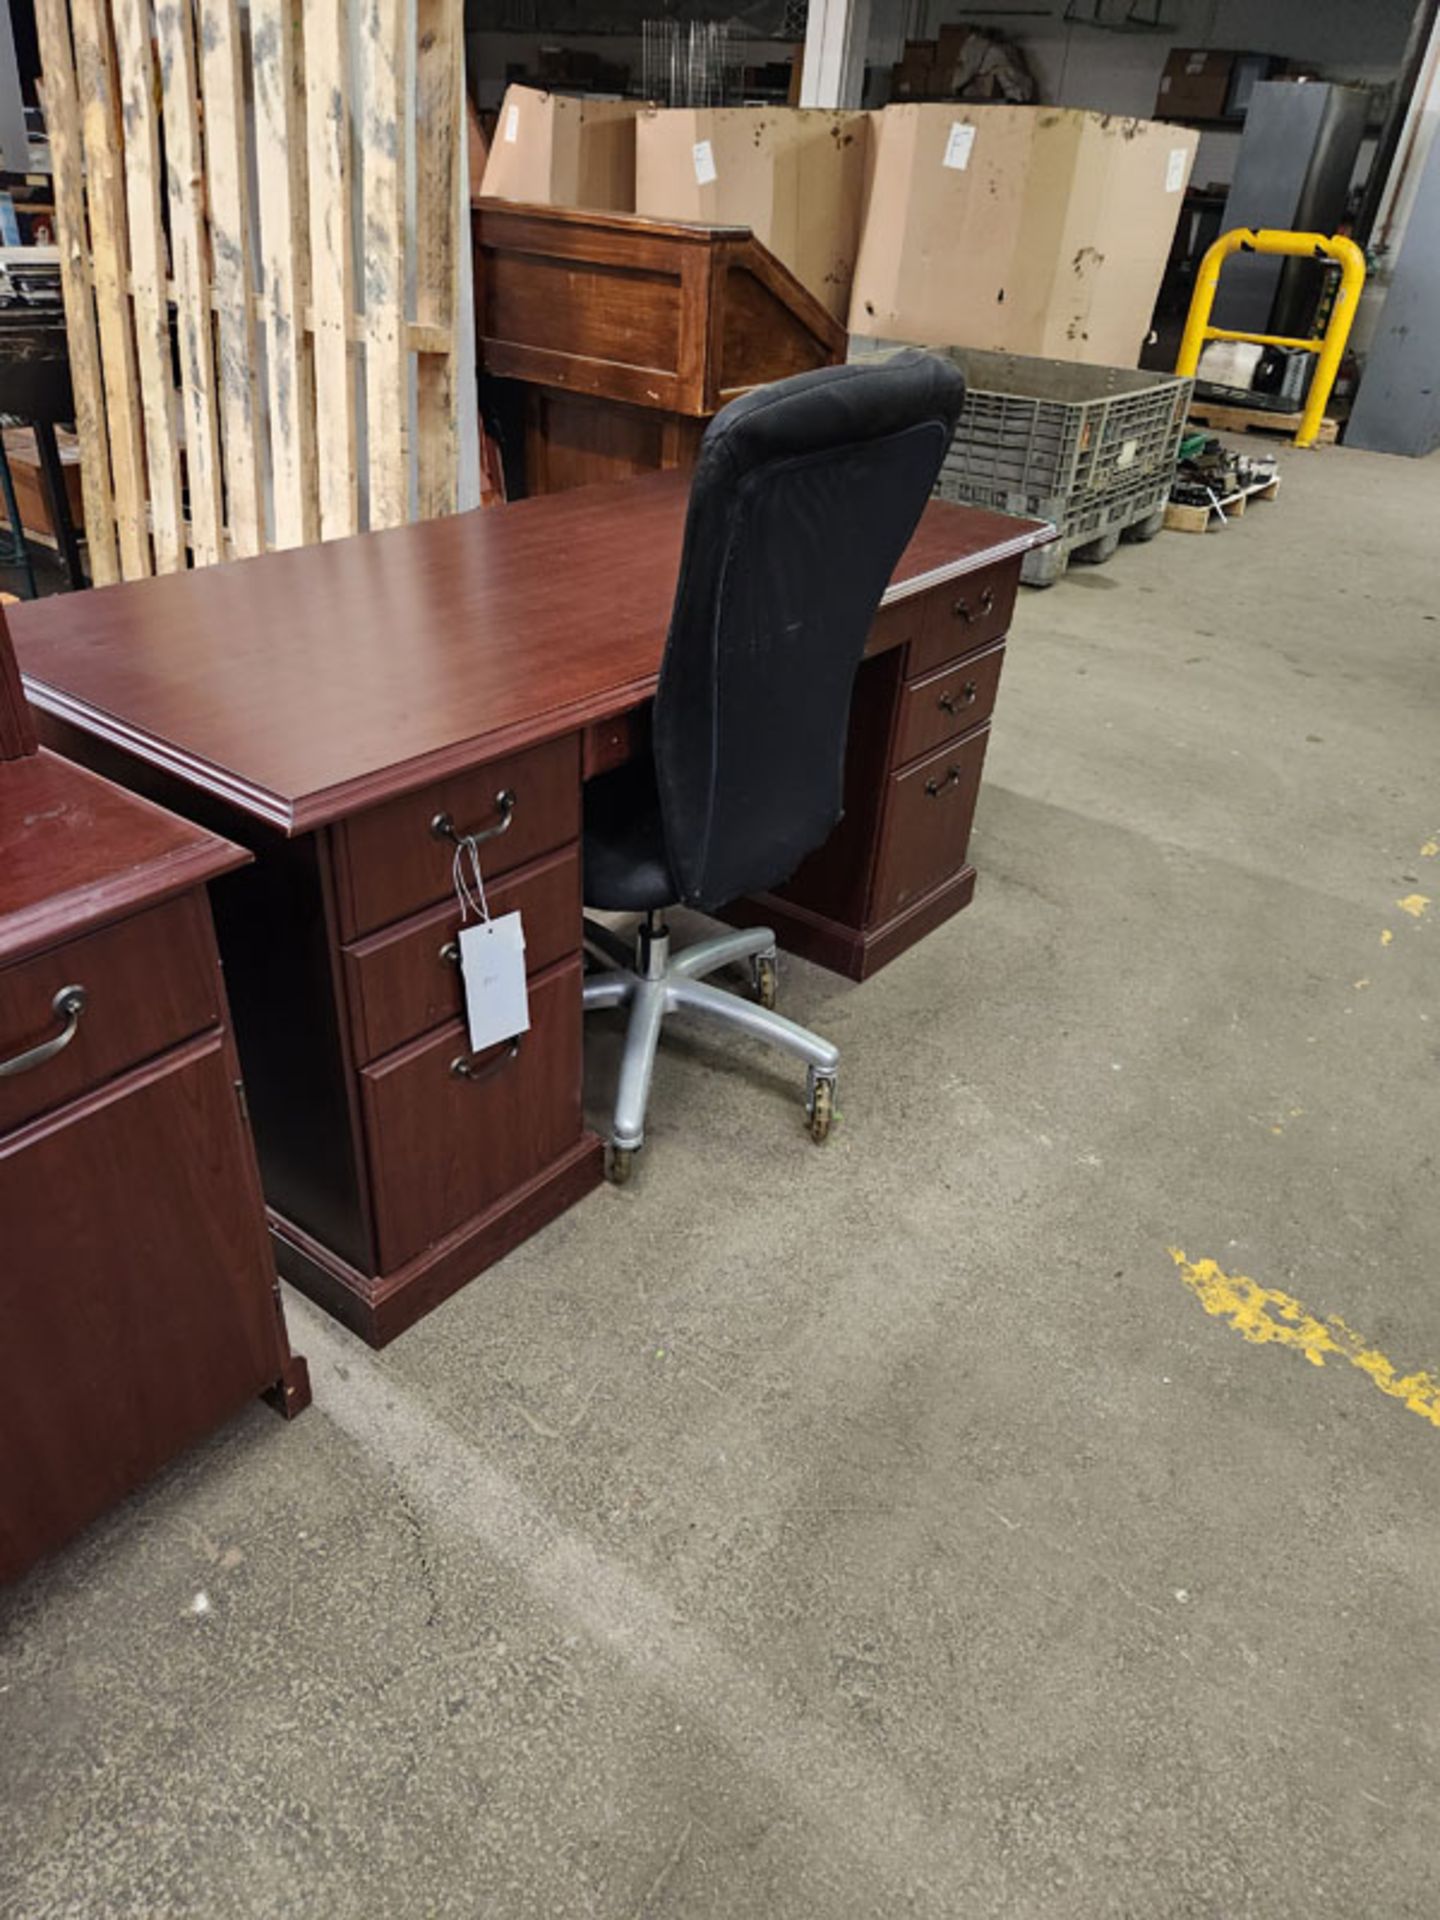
(1195, 84)
(1028, 229)
(794, 175)
(556, 150)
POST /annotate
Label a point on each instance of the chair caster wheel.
(765, 980)
(619, 1165)
(820, 1108)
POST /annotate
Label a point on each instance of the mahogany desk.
(324, 706)
(138, 1298)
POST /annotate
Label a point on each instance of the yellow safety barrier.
(1329, 346)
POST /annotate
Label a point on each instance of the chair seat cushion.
(626, 868)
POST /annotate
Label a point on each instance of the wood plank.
(332, 262)
(149, 273)
(185, 180)
(62, 122)
(227, 180)
(382, 168)
(439, 120)
(277, 53)
(110, 266)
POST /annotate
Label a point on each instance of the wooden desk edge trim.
(31, 929)
(329, 804)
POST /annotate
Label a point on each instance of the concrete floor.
(889, 1529)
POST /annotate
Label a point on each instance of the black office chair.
(804, 497)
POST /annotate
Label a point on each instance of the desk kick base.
(377, 1309)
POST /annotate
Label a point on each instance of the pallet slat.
(186, 183)
(62, 121)
(227, 173)
(280, 134)
(332, 262)
(382, 163)
(149, 273)
(439, 128)
(110, 267)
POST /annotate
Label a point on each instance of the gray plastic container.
(1091, 449)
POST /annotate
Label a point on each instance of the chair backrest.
(804, 497)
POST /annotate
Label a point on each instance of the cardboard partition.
(1029, 230)
(795, 176)
(562, 150)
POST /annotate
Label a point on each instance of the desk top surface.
(305, 685)
(76, 851)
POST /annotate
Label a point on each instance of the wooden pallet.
(1204, 413)
(160, 118)
(1186, 519)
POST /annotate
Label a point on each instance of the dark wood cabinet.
(627, 334)
(138, 1297)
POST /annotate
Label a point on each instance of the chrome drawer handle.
(442, 827)
(934, 788)
(987, 605)
(948, 702)
(450, 953)
(67, 1006)
(463, 1066)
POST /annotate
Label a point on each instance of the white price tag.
(512, 124)
(704, 163)
(957, 147)
(1175, 172)
(492, 966)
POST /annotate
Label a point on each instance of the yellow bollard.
(1330, 347)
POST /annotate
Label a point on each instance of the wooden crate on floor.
(1183, 518)
(1222, 419)
(209, 161)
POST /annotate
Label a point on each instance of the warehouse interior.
(718, 856)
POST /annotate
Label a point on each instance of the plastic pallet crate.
(1091, 449)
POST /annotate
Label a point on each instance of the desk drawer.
(150, 982)
(965, 615)
(928, 814)
(391, 864)
(400, 982)
(942, 705)
(444, 1148)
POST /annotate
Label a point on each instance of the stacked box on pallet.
(1091, 449)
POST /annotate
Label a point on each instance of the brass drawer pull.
(948, 702)
(987, 605)
(463, 1066)
(934, 788)
(442, 827)
(67, 1006)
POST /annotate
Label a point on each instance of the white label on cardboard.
(957, 147)
(492, 966)
(1175, 172)
(704, 163)
(512, 124)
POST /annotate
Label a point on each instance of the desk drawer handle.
(949, 704)
(934, 788)
(67, 1006)
(463, 1066)
(987, 605)
(442, 827)
(450, 953)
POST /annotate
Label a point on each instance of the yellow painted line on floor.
(1415, 904)
(1265, 1316)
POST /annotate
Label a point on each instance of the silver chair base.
(652, 982)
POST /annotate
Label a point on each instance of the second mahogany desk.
(324, 706)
